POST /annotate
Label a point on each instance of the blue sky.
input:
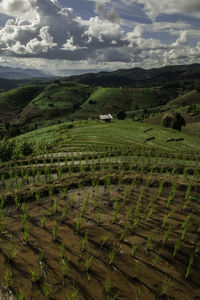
(67, 37)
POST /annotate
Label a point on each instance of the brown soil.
(151, 270)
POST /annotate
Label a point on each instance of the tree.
(121, 115)
(173, 120)
(167, 120)
(178, 121)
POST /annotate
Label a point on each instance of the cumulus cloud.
(154, 8)
(17, 7)
(41, 29)
(135, 34)
(111, 15)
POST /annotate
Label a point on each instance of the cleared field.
(102, 215)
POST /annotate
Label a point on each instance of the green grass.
(46, 137)
(188, 99)
(132, 133)
(122, 133)
(19, 97)
(111, 100)
(192, 129)
(61, 96)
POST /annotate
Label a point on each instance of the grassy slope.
(55, 103)
(19, 97)
(111, 100)
(116, 133)
(192, 97)
(61, 95)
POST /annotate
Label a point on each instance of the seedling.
(98, 217)
(197, 249)
(108, 286)
(73, 295)
(135, 223)
(46, 291)
(166, 235)
(54, 230)
(105, 240)
(150, 240)
(111, 256)
(35, 276)
(62, 249)
(137, 270)
(84, 240)
(43, 221)
(64, 265)
(12, 250)
(88, 262)
(186, 226)
(133, 249)
(139, 294)
(189, 266)
(8, 278)
(20, 295)
(167, 286)
(177, 247)
(124, 232)
(156, 258)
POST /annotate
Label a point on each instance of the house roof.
(106, 117)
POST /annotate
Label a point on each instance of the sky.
(65, 37)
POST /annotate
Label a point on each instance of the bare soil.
(115, 268)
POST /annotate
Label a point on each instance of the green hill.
(193, 97)
(116, 133)
(18, 98)
(140, 77)
(57, 100)
(111, 100)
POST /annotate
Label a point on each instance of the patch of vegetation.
(18, 98)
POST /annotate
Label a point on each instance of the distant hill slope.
(111, 100)
(7, 84)
(63, 100)
(193, 97)
(139, 76)
(56, 101)
(17, 73)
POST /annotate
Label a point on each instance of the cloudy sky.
(66, 37)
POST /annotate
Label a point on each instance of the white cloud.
(111, 15)
(103, 30)
(154, 8)
(17, 7)
(38, 29)
(70, 46)
(135, 34)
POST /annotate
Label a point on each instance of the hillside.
(90, 208)
(140, 77)
(56, 101)
(6, 84)
(13, 101)
(18, 74)
(61, 100)
(193, 97)
(111, 100)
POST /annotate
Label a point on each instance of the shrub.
(121, 115)
(167, 120)
(7, 149)
(26, 148)
(173, 120)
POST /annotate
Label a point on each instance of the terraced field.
(102, 217)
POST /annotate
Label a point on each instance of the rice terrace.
(102, 214)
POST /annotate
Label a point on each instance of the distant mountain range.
(139, 76)
(18, 74)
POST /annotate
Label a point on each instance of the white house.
(106, 118)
